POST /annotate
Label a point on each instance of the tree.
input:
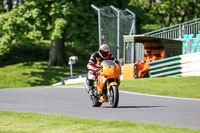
(19, 26)
(169, 11)
(58, 21)
(61, 21)
(9, 5)
(1, 6)
(27, 23)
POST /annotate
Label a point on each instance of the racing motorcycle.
(106, 84)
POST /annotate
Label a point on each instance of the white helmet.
(104, 50)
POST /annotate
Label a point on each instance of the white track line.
(150, 95)
(179, 98)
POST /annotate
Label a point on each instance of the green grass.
(35, 123)
(188, 87)
(31, 74)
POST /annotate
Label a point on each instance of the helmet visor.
(104, 54)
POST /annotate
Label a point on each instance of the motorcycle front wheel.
(95, 102)
(113, 96)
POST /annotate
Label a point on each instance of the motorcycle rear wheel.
(95, 102)
(113, 96)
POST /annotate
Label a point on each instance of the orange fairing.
(111, 84)
(101, 82)
(110, 71)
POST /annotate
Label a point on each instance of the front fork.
(108, 85)
(111, 84)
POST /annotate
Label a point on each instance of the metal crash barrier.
(183, 65)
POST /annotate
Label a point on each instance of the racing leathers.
(94, 65)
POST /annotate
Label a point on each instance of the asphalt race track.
(74, 102)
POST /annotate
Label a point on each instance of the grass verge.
(188, 87)
(36, 123)
(31, 74)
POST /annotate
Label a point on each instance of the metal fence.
(177, 31)
(113, 23)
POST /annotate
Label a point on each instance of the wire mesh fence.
(113, 24)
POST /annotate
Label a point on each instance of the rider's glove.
(95, 69)
(116, 61)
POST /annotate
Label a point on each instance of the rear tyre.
(95, 102)
(113, 96)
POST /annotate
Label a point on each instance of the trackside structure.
(177, 31)
(135, 47)
(183, 65)
(176, 40)
(188, 32)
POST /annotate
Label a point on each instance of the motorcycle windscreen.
(109, 63)
(110, 69)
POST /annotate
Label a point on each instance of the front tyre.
(113, 96)
(95, 102)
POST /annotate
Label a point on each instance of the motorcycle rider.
(94, 64)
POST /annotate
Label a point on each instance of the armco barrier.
(164, 64)
(183, 65)
(73, 77)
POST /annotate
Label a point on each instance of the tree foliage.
(18, 26)
(75, 22)
(28, 23)
(168, 12)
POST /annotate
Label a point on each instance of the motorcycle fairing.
(111, 84)
(101, 82)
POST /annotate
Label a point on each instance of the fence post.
(132, 31)
(118, 29)
(99, 21)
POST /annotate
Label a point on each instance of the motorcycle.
(106, 84)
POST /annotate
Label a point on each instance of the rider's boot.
(91, 92)
(90, 87)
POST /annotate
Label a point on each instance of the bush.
(40, 52)
(25, 53)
